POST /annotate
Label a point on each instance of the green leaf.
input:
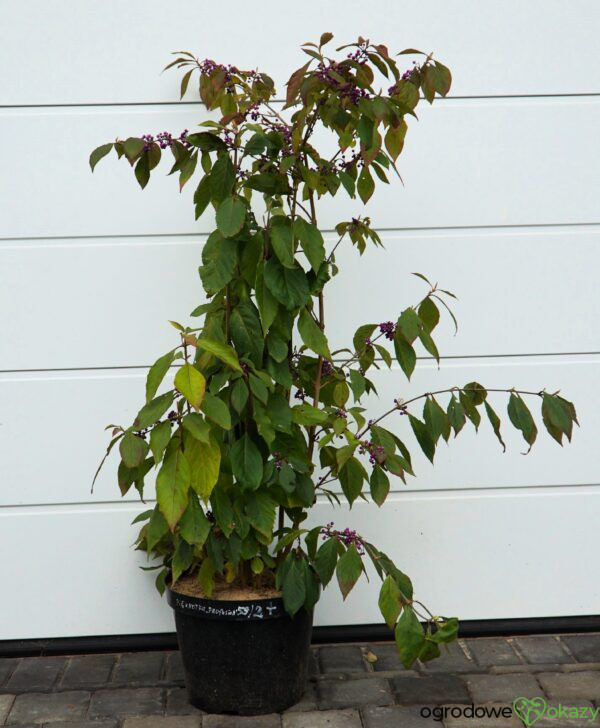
(556, 415)
(172, 485)
(202, 195)
(222, 177)
(495, 423)
(246, 332)
(294, 587)
(246, 462)
(159, 437)
(265, 301)
(394, 139)
(380, 485)
(205, 461)
(521, 418)
(194, 526)
(409, 324)
(157, 528)
(222, 351)
(192, 384)
(282, 241)
(188, 167)
(436, 420)
(280, 412)
(197, 426)
(99, 153)
(351, 477)
(390, 601)
(307, 415)
(312, 335)
(429, 314)
(239, 395)
(326, 560)
(153, 411)
(475, 393)
(142, 170)
(423, 437)
(133, 147)
(405, 354)
(133, 450)
(358, 384)
(311, 241)
(456, 415)
(349, 568)
(157, 373)
(289, 286)
(409, 636)
(182, 559)
(216, 410)
(260, 510)
(365, 185)
(446, 631)
(219, 256)
(429, 344)
(231, 215)
(222, 510)
(206, 576)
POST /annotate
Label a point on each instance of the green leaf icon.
(529, 710)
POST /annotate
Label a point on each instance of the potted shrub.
(256, 415)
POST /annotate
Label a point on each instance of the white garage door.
(501, 205)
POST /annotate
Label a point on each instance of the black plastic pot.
(245, 657)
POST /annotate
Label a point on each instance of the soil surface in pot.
(223, 591)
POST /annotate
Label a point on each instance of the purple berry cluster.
(326, 367)
(346, 164)
(405, 77)
(401, 407)
(280, 460)
(360, 55)
(142, 433)
(347, 537)
(347, 89)
(376, 452)
(173, 417)
(341, 413)
(300, 394)
(388, 329)
(164, 139)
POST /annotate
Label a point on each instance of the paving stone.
(430, 689)
(190, 721)
(582, 684)
(502, 688)
(585, 647)
(387, 658)
(398, 717)
(525, 667)
(540, 649)
(313, 664)
(322, 719)
(83, 670)
(451, 660)
(333, 694)
(556, 715)
(174, 672)
(492, 715)
(307, 702)
(49, 707)
(7, 666)
(492, 651)
(110, 723)
(6, 702)
(343, 659)
(126, 702)
(35, 673)
(241, 721)
(138, 668)
(178, 703)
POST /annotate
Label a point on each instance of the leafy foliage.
(255, 420)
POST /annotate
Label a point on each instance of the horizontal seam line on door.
(471, 97)
(127, 367)
(479, 489)
(324, 230)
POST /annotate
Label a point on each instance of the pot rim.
(241, 610)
